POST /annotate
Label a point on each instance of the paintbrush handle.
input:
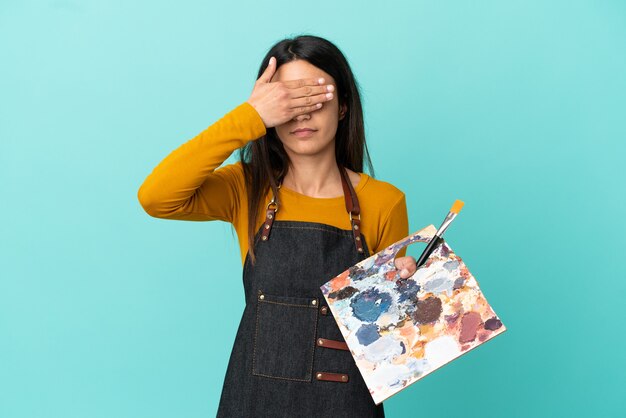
(432, 244)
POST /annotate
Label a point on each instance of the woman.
(304, 212)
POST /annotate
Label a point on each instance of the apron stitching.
(289, 304)
(314, 339)
(363, 255)
(312, 351)
(312, 227)
(255, 334)
(283, 378)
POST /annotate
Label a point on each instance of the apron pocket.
(284, 337)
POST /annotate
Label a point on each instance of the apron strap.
(270, 214)
(352, 206)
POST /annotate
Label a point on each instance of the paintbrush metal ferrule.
(446, 222)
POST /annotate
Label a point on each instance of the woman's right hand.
(280, 101)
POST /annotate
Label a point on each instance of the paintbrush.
(437, 238)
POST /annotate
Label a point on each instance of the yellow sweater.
(188, 185)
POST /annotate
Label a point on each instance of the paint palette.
(400, 330)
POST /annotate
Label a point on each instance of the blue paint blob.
(367, 334)
(370, 304)
(451, 265)
(408, 289)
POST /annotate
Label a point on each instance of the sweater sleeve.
(186, 185)
(395, 227)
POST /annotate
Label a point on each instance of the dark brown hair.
(264, 160)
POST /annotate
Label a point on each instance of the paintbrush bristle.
(456, 208)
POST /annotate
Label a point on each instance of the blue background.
(515, 107)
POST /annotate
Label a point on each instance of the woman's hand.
(406, 265)
(280, 101)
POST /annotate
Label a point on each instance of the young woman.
(304, 212)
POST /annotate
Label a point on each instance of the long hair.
(265, 161)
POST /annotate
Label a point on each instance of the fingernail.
(321, 80)
(404, 271)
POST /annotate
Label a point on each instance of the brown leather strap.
(352, 203)
(333, 377)
(337, 345)
(270, 214)
(352, 206)
(267, 225)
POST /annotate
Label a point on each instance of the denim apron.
(289, 358)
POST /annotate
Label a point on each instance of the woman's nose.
(304, 116)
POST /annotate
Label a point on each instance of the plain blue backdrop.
(515, 107)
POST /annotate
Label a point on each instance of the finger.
(304, 109)
(401, 262)
(311, 90)
(269, 71)
(301, 82)
(311, 100)
(406, 265)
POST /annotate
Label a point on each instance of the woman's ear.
(343, 108)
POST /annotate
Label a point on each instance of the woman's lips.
(304, 134)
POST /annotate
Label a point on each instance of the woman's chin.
(306, 146)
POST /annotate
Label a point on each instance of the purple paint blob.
(493, 324)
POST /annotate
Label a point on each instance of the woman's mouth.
(304, 133)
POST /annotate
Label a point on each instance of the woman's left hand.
(406, 265)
